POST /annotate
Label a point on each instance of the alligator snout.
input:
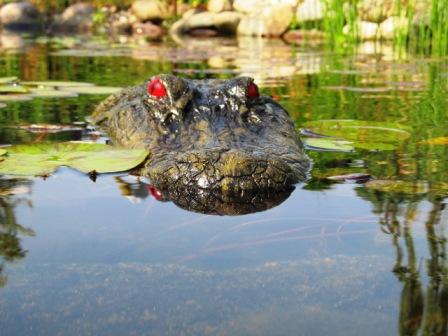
(228, 171)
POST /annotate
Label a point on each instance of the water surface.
(337, 257)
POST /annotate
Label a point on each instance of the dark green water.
(336, 258)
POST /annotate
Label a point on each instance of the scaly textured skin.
(207, 136)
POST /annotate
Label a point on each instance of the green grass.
(427, 36)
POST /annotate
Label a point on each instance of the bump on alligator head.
(207, 137)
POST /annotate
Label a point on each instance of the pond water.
(341, 256)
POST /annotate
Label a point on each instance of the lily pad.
(13, 89)
(44, 159)
(352, 177)
(7, 80)
(368, 89)
(328, 144)
(332, 173)
(436, 141)
(15, 97)
(361, 89)
(50, 93)
(363, 134)
(50, 128)
(94, 90)
(52, 84)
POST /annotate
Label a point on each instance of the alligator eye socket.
(252, 91)
(156, 88)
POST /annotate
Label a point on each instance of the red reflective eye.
(156, 193)
(252, 91)
(156, 88)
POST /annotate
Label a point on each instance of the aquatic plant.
(423, 30)
(44, 159)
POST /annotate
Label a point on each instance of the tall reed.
(425, 28)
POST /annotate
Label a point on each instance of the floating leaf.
(375, 146)
(354, 177)
(7, 80)
(52, 84)
(366, 135)
(13, 89)
(94, 90)
(15, 97)
(44, 159)
(307, 133)
(368, 89)
(361, 89)
(349, 72)
(328, 144)
(51, 93)
(436, 141)
(50, 128)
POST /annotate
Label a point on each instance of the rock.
(20, 16)
(390, 27)
(181, 9)
(150, 10)
(271, 20)
(310, 10)
(376, 10)
(217, 6)
(253, 6)
(366, 30)
(224, 23)
(148, 29)
(191, 12)
(247, 6)
(122, 22)
(12, 40)
(75, 18)
(78, 17)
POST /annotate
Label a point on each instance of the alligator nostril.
(171, 122)
(216, 109)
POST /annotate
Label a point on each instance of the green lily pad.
(52, 84)
(436, 141)
(364, 134)
(7, 80)
(376, 146)
(50, 93)
(328, 144)
(13, 89)
(15, 97)
(330, 173)
(44, 159)
(49, 128)
(94, 90)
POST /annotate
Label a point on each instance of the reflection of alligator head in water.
(205, 201)
(207, 137)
